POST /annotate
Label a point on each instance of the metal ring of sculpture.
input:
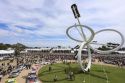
(88, 42)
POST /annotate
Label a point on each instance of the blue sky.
(44, 22)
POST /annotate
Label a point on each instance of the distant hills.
(13, 46)
(20, 47)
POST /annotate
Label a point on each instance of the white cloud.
(51, 18)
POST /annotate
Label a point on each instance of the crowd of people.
(113, 59)
(13, 63)
(30, 58)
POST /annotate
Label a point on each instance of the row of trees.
(17, 47)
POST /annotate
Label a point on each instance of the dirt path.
(22, 77)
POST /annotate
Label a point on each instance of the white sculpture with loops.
(87, 41)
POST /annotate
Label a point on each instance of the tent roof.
(6, 51)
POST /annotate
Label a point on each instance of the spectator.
(1, 76)
(50, 68)
(55, 78)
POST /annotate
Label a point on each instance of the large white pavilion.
(6, 53)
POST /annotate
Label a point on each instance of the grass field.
(96, 75)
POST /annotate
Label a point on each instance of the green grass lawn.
(96, 75)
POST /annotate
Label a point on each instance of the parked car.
(1, 58)
(21, 67)
(14, 73)
(12, 80)
(32, 78)
(37, 62)
(45, 63)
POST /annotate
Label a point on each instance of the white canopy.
(6, 51)
(122, 52)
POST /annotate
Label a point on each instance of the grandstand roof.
(122, 52)
(37, 49)
(6, 51)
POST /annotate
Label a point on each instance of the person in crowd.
(72, 77)
(55, 78)
(50, 68)
(1, 76)
(65, 70)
